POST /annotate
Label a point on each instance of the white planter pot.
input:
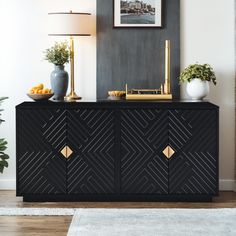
(197, 89)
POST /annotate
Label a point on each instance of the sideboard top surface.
(175, 104)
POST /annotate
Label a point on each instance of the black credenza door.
(191, 135)
(89, 134)
(41, 134)
(193, 169)
(144, 134)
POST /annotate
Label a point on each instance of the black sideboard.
(117, 151)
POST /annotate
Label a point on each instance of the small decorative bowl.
(116, 95)
(40, 97)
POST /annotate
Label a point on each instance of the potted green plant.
(198, 77)
(59, 55)
(3, 146)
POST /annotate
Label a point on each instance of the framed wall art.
(137, 13)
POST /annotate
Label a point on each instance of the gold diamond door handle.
(66, 152)
(168, 152)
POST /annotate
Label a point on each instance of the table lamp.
(70, 24)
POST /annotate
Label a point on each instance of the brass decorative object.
(163, 93)
(145, 94)
(168, 152)
(66, 152)
(167, 68)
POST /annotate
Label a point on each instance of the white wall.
(23, 38)
(207, 35)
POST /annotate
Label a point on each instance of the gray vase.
(59, 82)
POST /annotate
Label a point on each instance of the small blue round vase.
(59, 82)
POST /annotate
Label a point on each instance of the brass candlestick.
(167, 68)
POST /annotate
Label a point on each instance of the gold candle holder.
(167, 68)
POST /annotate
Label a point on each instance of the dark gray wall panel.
(136, 55)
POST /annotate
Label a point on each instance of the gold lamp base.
(72, 97)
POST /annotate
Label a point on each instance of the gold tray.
(148, 96)
(142, 94)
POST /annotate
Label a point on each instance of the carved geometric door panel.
(144, 136)
(41, 133)
(193, 167)
(91, 137)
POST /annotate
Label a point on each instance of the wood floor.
(58, 226)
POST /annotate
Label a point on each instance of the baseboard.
(7, 184)
(225, 184)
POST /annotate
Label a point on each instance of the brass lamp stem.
(72, 95)
(72, 63)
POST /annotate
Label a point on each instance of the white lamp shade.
(70, 24)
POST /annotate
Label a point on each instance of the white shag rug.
(153, 222)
